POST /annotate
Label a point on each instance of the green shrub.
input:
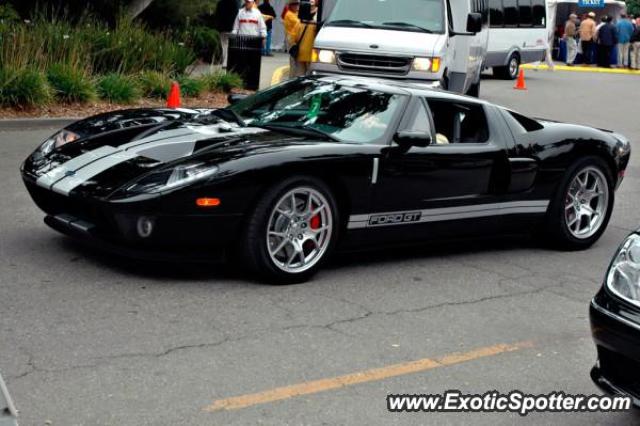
(222, 81)
(118, 88)
(71, 84)
(23, 88)
(205, 43)
(192, 87)
(154, 84)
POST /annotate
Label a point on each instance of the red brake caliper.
(315, 222)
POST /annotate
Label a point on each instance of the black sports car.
(615, 324)
(283, 176)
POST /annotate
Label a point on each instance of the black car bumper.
(616, 333)
(115, 228)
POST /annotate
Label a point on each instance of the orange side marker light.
(208, 202)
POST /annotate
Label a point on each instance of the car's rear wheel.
(582, 207)
(291, 231)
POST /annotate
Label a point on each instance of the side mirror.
(408, 138)
(474, 23)
(234, 98)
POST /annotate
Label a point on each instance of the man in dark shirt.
(607, 38)
(269, 14)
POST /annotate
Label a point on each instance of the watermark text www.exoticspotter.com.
(514, 402)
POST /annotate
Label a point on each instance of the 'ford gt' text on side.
(283, 177)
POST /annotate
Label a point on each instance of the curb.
(18, 124)
(578, 68)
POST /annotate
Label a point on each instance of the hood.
(393, 42)
(101, 163)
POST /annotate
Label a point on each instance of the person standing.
(249, 21)
(223, 18)
(570, 32)
(291, 23)
(587, 33)
(306, 36)
(607, 38)
(635, 55)
(269, 14)
(624, 29)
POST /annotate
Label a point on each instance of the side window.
(458, 122)
(524, 7)
(539, 13)
(496, 16)
(420, 122)
(510, 13)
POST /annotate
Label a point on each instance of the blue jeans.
(267, 45)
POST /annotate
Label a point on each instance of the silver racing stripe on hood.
(164, 147)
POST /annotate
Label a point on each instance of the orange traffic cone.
(173, 101)
(520, 84)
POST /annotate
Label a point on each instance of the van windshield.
(401, 15)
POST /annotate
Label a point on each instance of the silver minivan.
(418, 40)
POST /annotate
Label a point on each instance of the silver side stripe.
(447, 213)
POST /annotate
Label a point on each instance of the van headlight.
(426, 64)
(172, 178)
(323, 56)
(623, 278)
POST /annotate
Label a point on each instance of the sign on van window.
(593, 4)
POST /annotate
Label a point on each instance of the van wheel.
(511, 70)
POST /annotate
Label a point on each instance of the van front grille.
(378, 64)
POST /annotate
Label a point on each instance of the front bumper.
(616, 332)
(431, 81)
(113, 227)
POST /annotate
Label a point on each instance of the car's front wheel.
(582, 207)
(291, 231)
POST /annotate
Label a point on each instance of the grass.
(24, 88)
(192, 87)
(118, 88)
(222, 81)
(154, 84)
(71, 84)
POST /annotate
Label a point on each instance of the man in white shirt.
(250, 21)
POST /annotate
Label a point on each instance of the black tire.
(557, 229)
(253, 245)
(511, 70)
(444, 81)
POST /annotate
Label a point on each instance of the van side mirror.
(234, 98)
(474, 23)
(408, 138)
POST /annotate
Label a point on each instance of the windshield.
(338, 111)
(402, 15)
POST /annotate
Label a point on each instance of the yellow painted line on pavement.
(279, 74)
(322, 385)
(578, 68)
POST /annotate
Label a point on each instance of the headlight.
(176, 177)
(426, 64)
(623, 278)
(61, 138)
(323, 56)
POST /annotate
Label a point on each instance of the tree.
(633, 7)
(108, 9)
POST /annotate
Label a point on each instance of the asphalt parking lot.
(88, 339)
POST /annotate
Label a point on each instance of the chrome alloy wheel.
(586, 203)
(513, 67)
(299, 230)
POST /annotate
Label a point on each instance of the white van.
(439, 42)
(518, 34)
